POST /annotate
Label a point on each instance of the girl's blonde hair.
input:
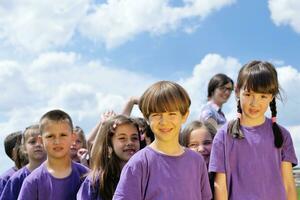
(186, 133)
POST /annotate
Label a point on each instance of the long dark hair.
(260, 77)
(105, 164)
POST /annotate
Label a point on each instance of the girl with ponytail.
(253, 156)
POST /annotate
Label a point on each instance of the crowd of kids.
(153, 157)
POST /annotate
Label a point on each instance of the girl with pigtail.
(253, 155)
(116, 142)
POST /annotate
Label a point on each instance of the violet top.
(14, 183)
(212, 110)
(40, 184)
(150, 175)
(252, 165)
(5, 176)
(88, 190)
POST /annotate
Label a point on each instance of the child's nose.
(56, 141)
(163, 119)
(253, 101)
(200, 148)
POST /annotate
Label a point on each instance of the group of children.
(248, 158)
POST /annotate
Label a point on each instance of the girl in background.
(198, 136)
(253, 156)
(79, 143)
(34, 150)
(116, 142)
(219, 90)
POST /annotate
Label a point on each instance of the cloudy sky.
(88, 56)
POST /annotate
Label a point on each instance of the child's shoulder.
(80, 168)
(21, 172)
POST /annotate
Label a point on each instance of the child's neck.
(59, 168)
(252, 122)
(171, 149)
(33, 164)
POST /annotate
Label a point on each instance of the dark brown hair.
(217, 81)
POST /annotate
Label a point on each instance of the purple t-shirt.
(14, 183)
(150, 175)
(211, 110)
(88, 191)
(252, 165)
(40, 184)
(5, 176)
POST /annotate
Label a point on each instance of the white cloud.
(289, 79)
(294, 130)
(197, 83)
(39, 25)
(285, 12)
(64, 80)
(116, 22)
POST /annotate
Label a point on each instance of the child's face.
(166, 125)
(34, 148)
(57, 139)
(201, 141)
(222, 94)
(76, 145)
(254, 105)
(125, 141)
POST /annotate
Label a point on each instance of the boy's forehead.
(64, 124)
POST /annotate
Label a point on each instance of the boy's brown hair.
(56, 116)
(164, 96)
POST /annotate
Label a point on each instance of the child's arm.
(288, 180)
(129, 105)
(221, 192)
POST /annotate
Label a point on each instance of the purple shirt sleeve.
(87, 191)
(129, 186)
(14, 184)
(288, 151)
(217, 156)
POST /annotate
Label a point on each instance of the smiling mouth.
(130, 151)
(165, 130)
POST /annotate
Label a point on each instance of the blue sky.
(90, 56)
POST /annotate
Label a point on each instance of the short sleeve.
(28, 190)
(288, 152)
(129, 186)
(206, 114)
(205, 186)
(217, 156)
(85, 191)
